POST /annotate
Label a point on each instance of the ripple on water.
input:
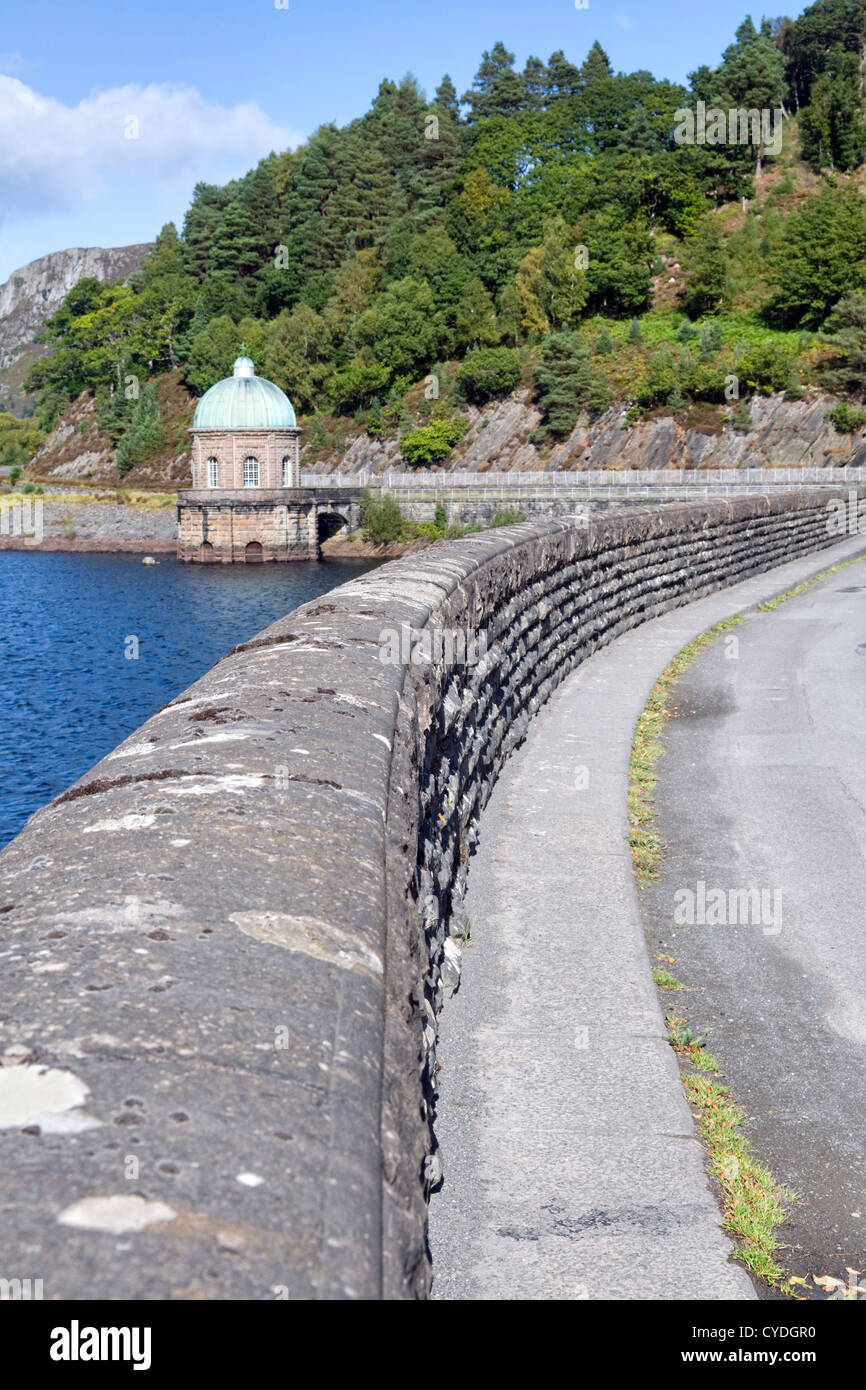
(69, 693)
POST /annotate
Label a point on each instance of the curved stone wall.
(225, 947)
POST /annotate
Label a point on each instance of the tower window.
(251, 472)
(287, 472)
(213, 473)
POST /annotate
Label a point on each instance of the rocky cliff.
(33, 293)
(782, 434)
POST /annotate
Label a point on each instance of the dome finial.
(243, 365)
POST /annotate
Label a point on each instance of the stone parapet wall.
(234, 934)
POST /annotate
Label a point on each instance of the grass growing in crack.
(753, 1202)
(644, 839)
(665, 980)
(807, 584)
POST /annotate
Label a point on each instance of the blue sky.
(213, 85)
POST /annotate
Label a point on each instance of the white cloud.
(54, 158)
(621, 20)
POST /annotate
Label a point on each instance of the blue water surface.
(69, 693)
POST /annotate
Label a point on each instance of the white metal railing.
(609, 480)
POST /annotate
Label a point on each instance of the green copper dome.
(244, 401)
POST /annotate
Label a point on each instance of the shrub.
(375, 426)
(567, 384)
(769, 367)
(508, 516)
(634, 332)
(432, 442)
(487, 373)
(660, 384)
(711, 337)
(357, 384)
(381, 518)
(846, 419)
(604, 345)
(145, 434)
(741, 417)
(440, 517)
(703, 380)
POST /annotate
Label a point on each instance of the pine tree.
(832, 127)
(752, 75)
(535, 84)
(145, 434)
(567, 384)
(563, 78)
(446, 97)
(596, 67)
(705, 262)
(497, 90)
(821, 255)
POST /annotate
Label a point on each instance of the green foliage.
(145, 434)
(567, 383)
(432, 443)
(604, 342)
(440, 516)
(832, 128)
(711, 338)
(358, 384)
(418, 234)
(507, 516)
(487, 373)
(844, 370)
(822, 255)
(705, 262)
(212, 353)
(741, 417)
(19, 441)
(659, 383)
(381, 518)
(769, 367)
(846, 419)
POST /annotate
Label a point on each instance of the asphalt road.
(572, 1168)
(763, 785)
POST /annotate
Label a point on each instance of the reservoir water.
(71, 686)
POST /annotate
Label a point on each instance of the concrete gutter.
(224, 950)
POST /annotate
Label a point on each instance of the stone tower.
(245, 503)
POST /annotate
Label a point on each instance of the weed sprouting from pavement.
(647, 748)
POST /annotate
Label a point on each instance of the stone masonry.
(255, 908)
(262, 524)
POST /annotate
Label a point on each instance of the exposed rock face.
(33, 293)
(783, 434)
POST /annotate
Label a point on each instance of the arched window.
(287, 472)
(251, 472)
(213, 473)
